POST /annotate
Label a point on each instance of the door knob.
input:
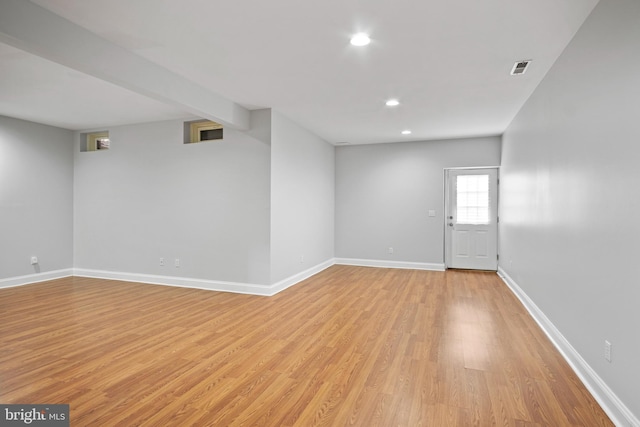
(450, 224)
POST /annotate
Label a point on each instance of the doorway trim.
(446, 207)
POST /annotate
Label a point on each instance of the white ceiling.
(447, 61)
(35, 89)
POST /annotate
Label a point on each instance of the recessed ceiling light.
(406, 132)
(360, 39)
(392, 103)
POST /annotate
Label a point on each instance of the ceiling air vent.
(520, 67)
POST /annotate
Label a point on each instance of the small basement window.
(203, 130)
(95, 141)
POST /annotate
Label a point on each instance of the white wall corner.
(299, 277)
(35, 278)
(391, 264)
(181, 282)
(610, 403)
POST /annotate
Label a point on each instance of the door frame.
(445, 241)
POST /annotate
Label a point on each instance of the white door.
(471, 227)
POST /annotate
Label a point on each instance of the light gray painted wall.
(152, 196)
(36, 198)
(384, 193)
(570, 175)
(302, 199)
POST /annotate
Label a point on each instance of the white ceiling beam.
(33, 29)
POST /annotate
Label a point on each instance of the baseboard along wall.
(610, 403)
(184, 282)
(390, 264)
(216, 285)
(35, 278)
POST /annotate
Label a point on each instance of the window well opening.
(201, 131)
(95, 141)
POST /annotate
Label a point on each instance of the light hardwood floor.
(350, 346)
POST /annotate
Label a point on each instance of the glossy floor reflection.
(349, 346)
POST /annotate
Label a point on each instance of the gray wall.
(384, 193)
(152, 196)
(570, 175)
(302, 199)
(36, 198)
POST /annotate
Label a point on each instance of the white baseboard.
(297, 278)
(214, 285)
(35, 278)
(390, 264)
(211, 285)
(182, 282)
(610, 403)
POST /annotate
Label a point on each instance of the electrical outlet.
(177, 262)
(390, 251)
(301, 259)
(161, 262)
(34, 260)
(607, 351)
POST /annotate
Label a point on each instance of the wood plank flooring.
(350, 346)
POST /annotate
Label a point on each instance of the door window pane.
(472, 199)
